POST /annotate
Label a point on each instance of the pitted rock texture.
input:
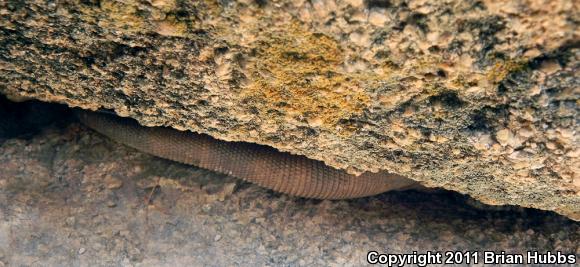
(474, 96)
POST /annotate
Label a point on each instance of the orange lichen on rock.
(299, 73)
(501, 69)
(122, 16)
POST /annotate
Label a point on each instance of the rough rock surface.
(475, 96)
(71, 197)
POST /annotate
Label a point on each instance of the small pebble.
(113, 183)
(70, 221)
(206, 207)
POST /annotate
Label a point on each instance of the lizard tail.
(262, 165)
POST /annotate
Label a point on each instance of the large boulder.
(479, 97)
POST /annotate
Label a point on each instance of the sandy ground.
(69, 196)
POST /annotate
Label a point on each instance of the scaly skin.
(262, 165)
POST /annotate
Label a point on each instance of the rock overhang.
(462, 95)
